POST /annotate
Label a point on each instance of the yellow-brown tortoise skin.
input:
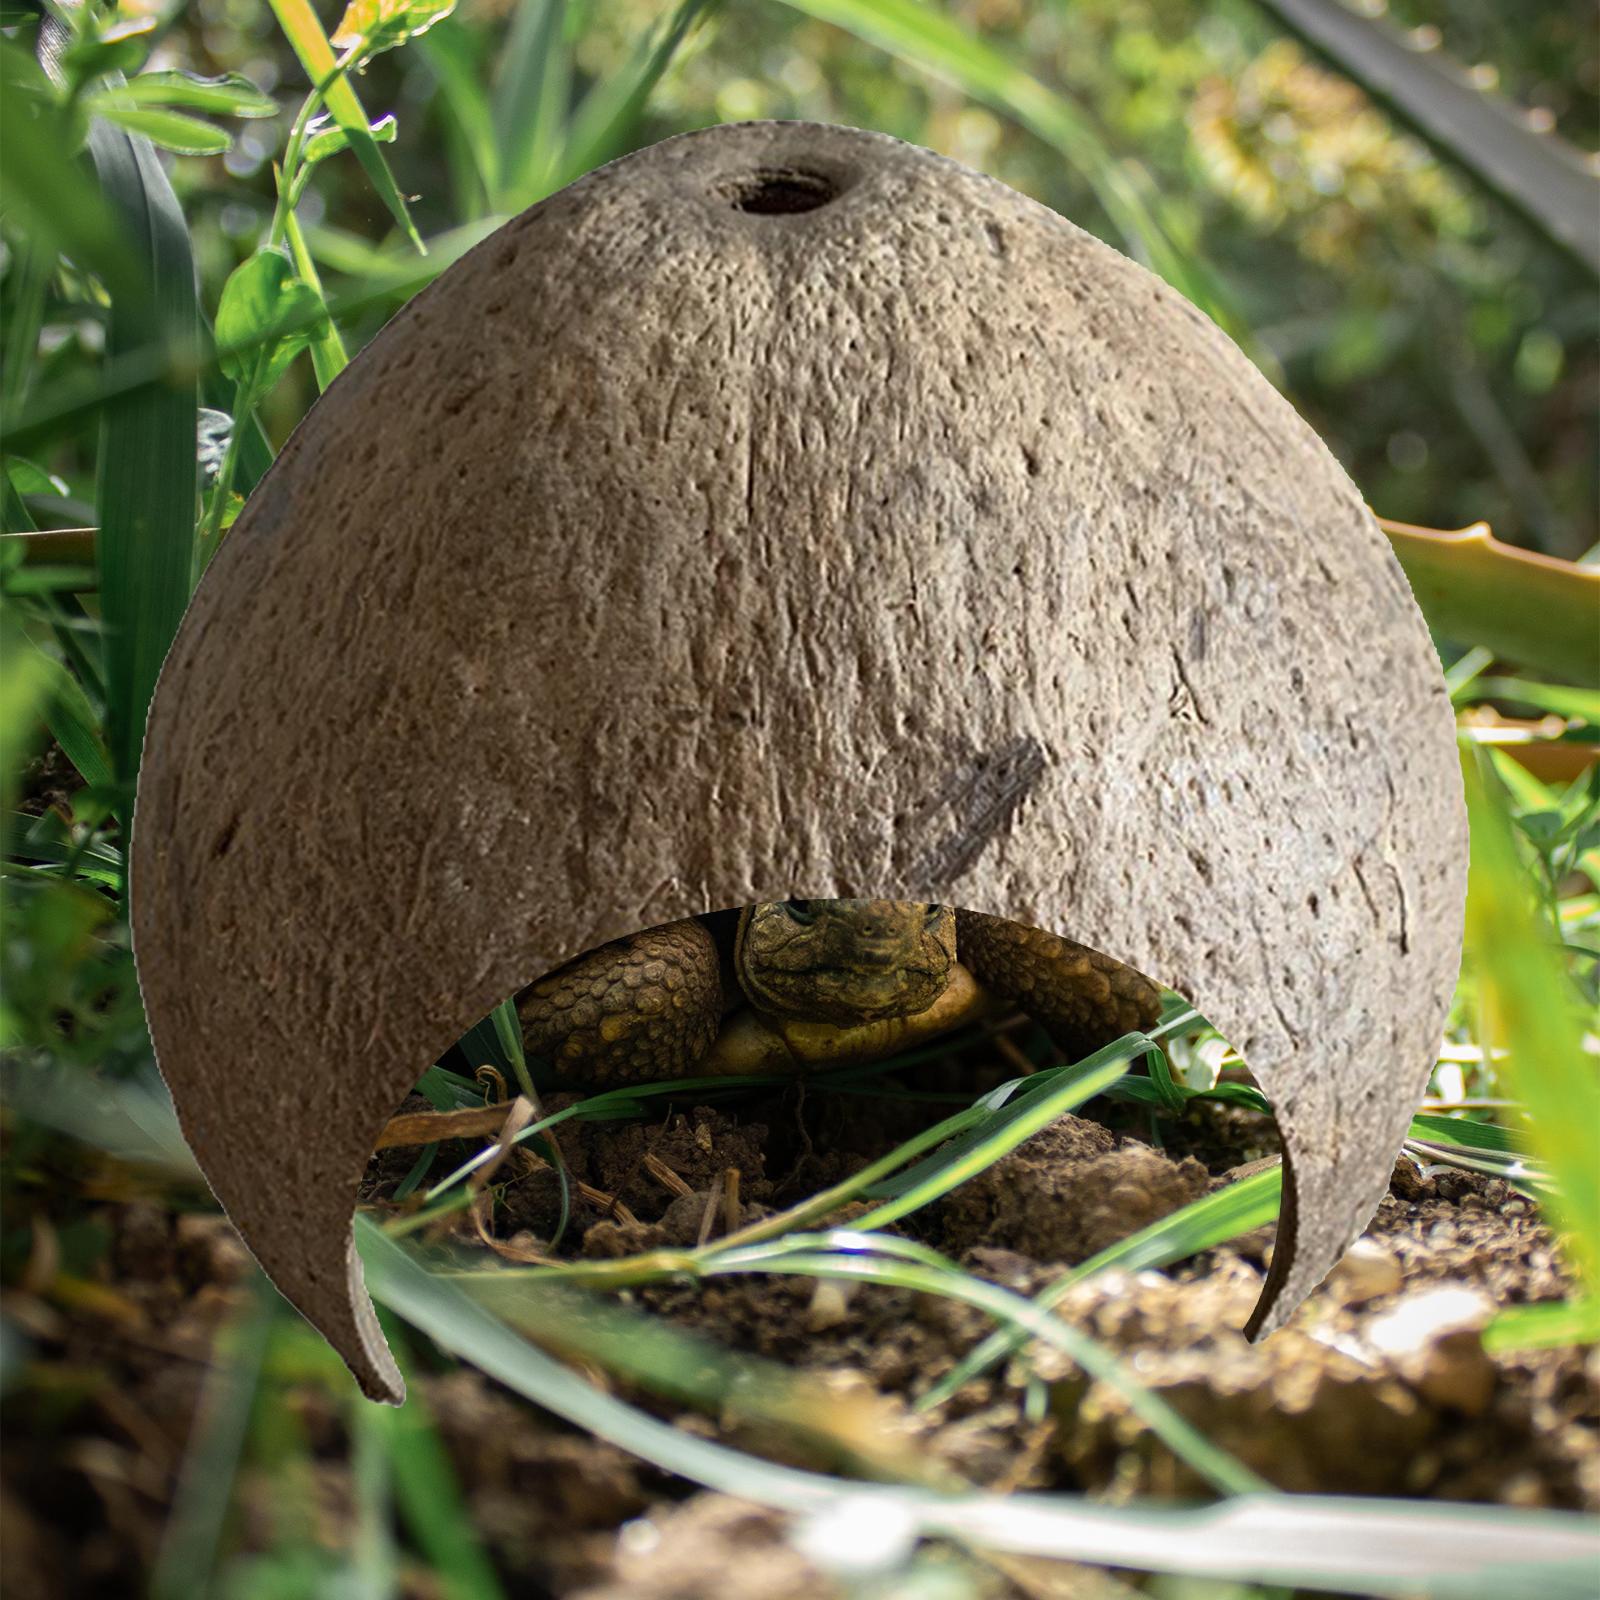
(650, 1005)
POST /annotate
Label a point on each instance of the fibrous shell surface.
(786, 510)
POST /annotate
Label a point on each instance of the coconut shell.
(787, 510)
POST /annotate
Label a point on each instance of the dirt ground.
(1381, 1385)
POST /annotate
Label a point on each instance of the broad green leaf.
(231, 95)
(44, 187)
(326, 140)
(118, 48)
(265, 318)
(172, 130)
(148, 477)
(371, 26)
(1547, 181)
(1528, 608)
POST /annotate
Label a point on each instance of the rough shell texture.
(680, 547)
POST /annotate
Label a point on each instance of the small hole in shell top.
(780, 191)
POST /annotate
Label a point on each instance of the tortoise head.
(844, 961)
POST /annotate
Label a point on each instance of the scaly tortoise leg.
(640, 1008)
(1083, 999)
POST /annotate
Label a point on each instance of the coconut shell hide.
(787, 510)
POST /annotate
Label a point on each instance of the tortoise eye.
(800, 910)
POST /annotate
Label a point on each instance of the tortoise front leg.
(640, 1008)
(1083, 999)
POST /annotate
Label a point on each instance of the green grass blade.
(1532, 1013)
(1368, 1546)
(1550, 1325)
(999, 1134)
(1474, 1135)
(604, 118)
(475, 152)
(1344, 1544)
(328, 355)
(1198, 1226)
(532, 91)
(1553, 697)
(72, 720)
(508, 1032)
(1535, 173)
(429, 1500)
(147, 481)
(839, 1255)
(373, 1558)
(310, 44)
(193, 1534)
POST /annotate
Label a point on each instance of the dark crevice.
(781, 192)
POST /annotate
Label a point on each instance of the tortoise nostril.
(775, 191)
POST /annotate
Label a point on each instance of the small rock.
(1367, 1271)
(830, 1305)
(1434, 1341)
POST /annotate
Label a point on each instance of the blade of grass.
(429, 1501)
(147, 479)
(1198, 1226)
(1531, 1012)
(462, 104)
(1467, 1553)
(844, 1254)
(373, 1563)
(532, 91)
(1476, 1135)
(1550, 1325)
(1558, 698)
(1536, 173)
(72, 721)
(1003, 1128)
(305, 35)
(599, 127)
(188, 1554)
(1401, 1548)
(328, 357)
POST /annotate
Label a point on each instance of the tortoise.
(784, 985)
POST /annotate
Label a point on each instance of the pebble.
(1433, 1340)
(1366, 1272)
